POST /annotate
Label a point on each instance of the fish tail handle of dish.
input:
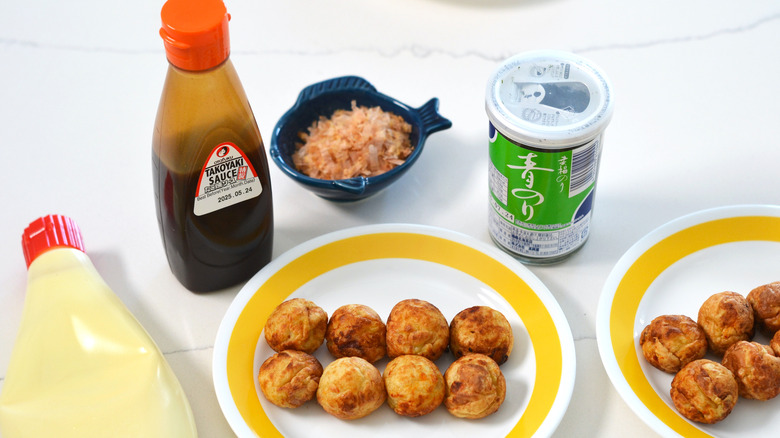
(340, 83)
(432, 121)
(354, 186)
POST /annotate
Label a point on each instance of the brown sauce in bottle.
(229, 244)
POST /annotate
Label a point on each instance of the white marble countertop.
(695, 127)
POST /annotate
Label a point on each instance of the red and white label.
(226, 179)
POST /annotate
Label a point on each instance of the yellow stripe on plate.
(641, 274)
(529, 307)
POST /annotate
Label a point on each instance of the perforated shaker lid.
(549, 99)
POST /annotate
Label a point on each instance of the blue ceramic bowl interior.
(323, 99)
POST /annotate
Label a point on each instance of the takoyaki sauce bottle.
(211, 183)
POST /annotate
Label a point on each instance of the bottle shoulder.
(220, 79)
(61, 272)
(58, 260)
(200, 110)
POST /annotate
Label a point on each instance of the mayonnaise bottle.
(82, 366)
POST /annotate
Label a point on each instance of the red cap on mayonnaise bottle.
(49, 232)
(195, 33)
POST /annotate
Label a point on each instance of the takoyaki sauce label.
(226, 179)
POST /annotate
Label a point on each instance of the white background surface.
(695, 127)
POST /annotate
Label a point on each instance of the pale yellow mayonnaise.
(82, 366)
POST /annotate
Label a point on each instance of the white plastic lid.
(549, 99)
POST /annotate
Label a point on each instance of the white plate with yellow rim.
(379, 265)
(673, 270)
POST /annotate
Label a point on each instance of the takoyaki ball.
(356, 330)
(481, 329)
(756, 369)
(414, 385)
(475, 387)
(765, 301)
(704, 391)
(351, 388)
(726, 318)
(775, 343)
(296, 324)
(670, 342)
(289, 378)
(417, 327)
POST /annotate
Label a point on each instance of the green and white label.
(541, 199)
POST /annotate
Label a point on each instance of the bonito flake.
(359, 142)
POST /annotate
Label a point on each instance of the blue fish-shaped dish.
(323, 99)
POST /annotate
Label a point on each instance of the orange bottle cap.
(195, 33)
(49, 232)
